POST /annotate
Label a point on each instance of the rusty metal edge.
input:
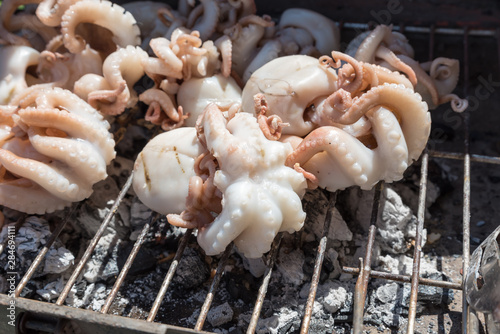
(74, 314)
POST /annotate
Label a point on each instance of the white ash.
(100, 293)
(220, 315)
(333, 296)
(58, 261)
(51, 290)
(389, 301)
(32, 236)
(396, 224)
(30, 239)
(284, 323)
(103, 263)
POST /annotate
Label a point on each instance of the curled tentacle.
(103, 14)
(338, 160)
(403, 102)
(354, 84)
(271, 126)
(395, 61)
(161, 109)
(209, 19)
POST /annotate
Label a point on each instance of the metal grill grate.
(364, 272)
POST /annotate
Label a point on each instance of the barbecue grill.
(469, 32)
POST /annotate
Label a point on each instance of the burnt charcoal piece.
(144, 260)
(191, 272)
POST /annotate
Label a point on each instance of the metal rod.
(128, 263)
(417, 251)
(38, 260)
(170, 274)
(361, 288)
(426, 30)
(318, 264)
(461, 156)
(405, 278)
(265, 283)
(94, 241)
(213, 288)
(466, 189)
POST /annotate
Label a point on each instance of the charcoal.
(220, 315)
(192, 270)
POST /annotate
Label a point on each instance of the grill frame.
(41, 311)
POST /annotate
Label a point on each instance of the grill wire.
(364, 272)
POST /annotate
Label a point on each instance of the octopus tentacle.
(101, 13)
(245, 7)
(77, 154)
(389, 56)
(354, 84)
(245, 36)
(370, 43)
(15, 196)
(383, 75)
(457, 104)
(159, 101)
(269, 51)
(50, 12)
(167, 63)
(338, 160)
(208, 22)
(39, 33)
(121, 70)
(271, 126)
(324, 31)
(16, 60)
(51, 178)
(439, 84)
(349, 154)
(405, 103)
(225, 46)
(72, 125)
(445, 72)
(7, 10)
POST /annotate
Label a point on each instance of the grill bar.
(405, 278)
(38, 260)
(265, 283)
(93, 243)
(466, 188)
(461, 156)
(365, 266)
(170, 274)
(123, 273)
(213, 288)
(417, 251)
(318, 264)
(427, 30)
